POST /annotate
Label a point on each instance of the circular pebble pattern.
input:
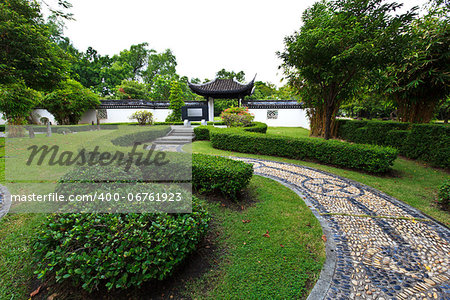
(385, 249)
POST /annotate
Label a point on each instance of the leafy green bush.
(141, 137)
(116, 251)
(143, 117)
(219, 174)
(202, 132)
(444, 193)
(369, 158)
(237, 117)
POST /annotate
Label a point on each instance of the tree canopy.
(339, 42)
(26, 52)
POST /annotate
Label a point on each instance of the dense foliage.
(17, 101)
(131, 89)
(337, 45)
(176, 102)
(117, 251)
(237, 117)
(418, 81)
(444, 193)
(220, 175)
(69, 102)
(143, 117)
(426, 142)
(368, 158)
(26, 52)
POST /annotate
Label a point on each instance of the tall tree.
(339, 42)
(176, 102)
(137, 58)
(164, 63)
(69, 101)
(420, 81)
(26, 51)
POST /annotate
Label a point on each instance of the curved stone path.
(377, 247)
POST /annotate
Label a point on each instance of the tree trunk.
(327, 129)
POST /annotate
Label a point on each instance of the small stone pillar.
(187, 123)
(211, 109)
(203, 122)
(49, 129)
(31, 132)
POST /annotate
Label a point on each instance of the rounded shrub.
(143, 117)
(220, 174)
(116, 251)
(237, 117)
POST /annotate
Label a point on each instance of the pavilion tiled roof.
(223, 88)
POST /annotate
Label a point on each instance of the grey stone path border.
(5, 201)
(377, 246)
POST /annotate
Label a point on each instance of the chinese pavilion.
(222, 89)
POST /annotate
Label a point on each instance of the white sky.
(204, 35)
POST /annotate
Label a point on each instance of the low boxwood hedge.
(202, 132)
(368, 158)
(219, 174)
(116, 251)
(141, 137)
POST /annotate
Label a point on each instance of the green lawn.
(410, 181)
(284, 265)
(289, 131)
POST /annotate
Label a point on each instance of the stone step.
(177, 133)
(169, 139)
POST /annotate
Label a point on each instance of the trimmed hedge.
(369, 158)
(426, 142)
(396, 139)
(367, 132)
(116, 251)
(141, 137)
(202, 132)
(219, 174)
(430, 143)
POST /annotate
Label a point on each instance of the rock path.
(377, 247)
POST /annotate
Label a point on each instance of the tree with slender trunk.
(338, 44)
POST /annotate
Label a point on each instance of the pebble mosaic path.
(377, 247)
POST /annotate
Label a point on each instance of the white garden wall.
(287, 117)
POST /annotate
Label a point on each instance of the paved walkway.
(377, 247)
